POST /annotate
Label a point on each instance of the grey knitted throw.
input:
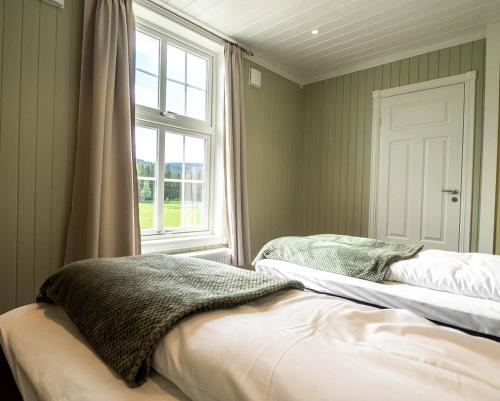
(363, 258)
(124, 306)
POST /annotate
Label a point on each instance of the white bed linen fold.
(51, 361)
(298, 346)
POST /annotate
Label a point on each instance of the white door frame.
(469, 81)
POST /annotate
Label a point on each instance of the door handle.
(451, 191)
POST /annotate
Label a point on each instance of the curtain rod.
(248, 52)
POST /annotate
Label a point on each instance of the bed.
(289, 345)
(457, 289)
(292, 346)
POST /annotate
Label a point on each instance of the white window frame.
(162, 121)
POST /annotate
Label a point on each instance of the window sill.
(175, 245)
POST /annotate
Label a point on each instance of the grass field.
(171, 214)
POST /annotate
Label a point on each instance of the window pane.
(196, 71)
(172, 204)
(176, 63)
(146, 89)
(147, 53)
(173, 155)
(194, 158)
(193, 206)
(145, 151)
(146, 203)
(175, 97)
(195, 105)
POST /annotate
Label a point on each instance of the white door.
(420, 167)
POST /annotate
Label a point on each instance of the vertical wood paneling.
(395, 74)
(413, 70)
(386, 76)
(274, 144)
(404, 70)
(326, 115)
(423, 67)
(344, 153)
(27, 151)
(62, 155)
(359, 152)
(466, 57)
(454, 60)
(339, 112)
(329, 112)
(45, 141)
(351, 133)
(370, 77)
(351, 167)
(434, 65)
(307, 167)
(9, 149)
(444, 63)
(316, 171)
(40, 48)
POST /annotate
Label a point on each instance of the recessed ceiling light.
(315, 31)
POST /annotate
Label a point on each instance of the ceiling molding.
(480, 34)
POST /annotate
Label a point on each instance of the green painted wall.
(40, 49)
(274, 151)
(337, 135)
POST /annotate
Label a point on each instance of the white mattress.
(51, 361)
(476, 314)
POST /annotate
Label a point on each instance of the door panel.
(434, 179)
(420, 155)
(397, 203)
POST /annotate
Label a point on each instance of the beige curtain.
(104, 216)
(235, 157)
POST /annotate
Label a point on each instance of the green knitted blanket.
(363, 258)
(124, 306)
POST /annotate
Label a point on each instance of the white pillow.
(473, 274)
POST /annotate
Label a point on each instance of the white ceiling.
(353, 33)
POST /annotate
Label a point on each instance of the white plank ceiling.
(353, 33)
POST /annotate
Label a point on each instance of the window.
(174, 131)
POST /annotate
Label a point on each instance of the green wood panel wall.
(337, 134)
(40, 49)
(274, 148)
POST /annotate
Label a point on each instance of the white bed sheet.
(476, 314)
(51, 361)
(301, 346)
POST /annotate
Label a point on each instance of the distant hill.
(194, 171)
